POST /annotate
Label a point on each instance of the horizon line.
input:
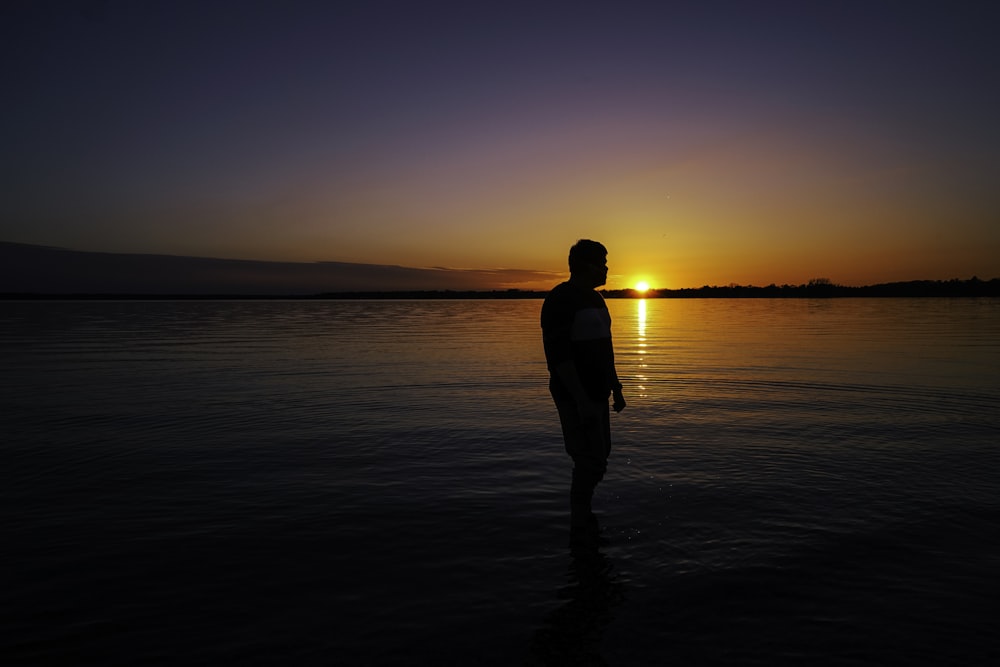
(972, 287)
(31, 269)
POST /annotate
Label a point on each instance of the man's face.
(598, 272)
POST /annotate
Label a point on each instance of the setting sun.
(642, 286)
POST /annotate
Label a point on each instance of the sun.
(642, 286)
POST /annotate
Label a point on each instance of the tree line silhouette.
(815, 288)
(824, 288)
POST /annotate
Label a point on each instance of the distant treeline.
(817, 288)
(822, 287)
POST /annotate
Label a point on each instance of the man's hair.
(586, 251)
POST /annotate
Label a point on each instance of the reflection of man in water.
(576, 331)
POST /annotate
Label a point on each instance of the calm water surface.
(379, 483)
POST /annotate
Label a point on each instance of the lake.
(794, 481)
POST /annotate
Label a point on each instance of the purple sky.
(705, 142)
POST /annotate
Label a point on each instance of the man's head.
(588, 262)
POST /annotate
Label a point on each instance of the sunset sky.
(702, 142)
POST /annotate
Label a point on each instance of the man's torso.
(576, 326)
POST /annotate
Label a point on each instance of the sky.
(704, 143)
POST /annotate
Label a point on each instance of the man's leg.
(589, 445)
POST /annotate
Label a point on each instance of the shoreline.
(973, 288)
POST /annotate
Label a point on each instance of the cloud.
(30, 269)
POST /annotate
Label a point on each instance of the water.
(382, 483)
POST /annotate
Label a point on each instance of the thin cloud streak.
(28, 269)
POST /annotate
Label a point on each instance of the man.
(576, 333)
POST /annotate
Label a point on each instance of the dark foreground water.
(794, 482)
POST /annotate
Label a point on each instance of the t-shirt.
(576, 325)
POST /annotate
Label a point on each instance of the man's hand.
(619, 400)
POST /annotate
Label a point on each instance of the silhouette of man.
(576, 333)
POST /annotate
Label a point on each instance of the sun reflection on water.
(640, 376)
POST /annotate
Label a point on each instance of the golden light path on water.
(641, 347)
